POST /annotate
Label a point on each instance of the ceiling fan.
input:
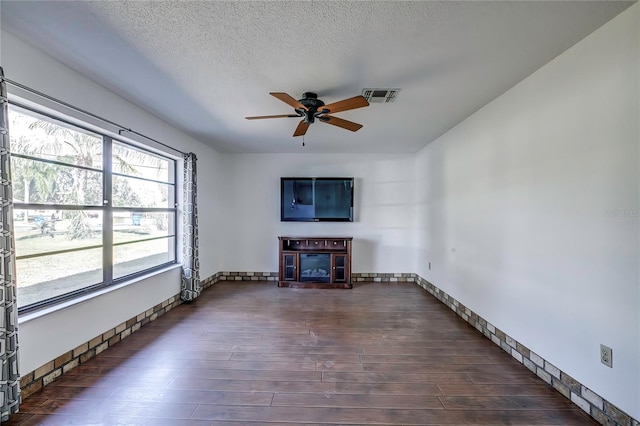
(311, 108)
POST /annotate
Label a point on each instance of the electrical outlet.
(606, 356)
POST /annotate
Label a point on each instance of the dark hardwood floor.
(248, 354)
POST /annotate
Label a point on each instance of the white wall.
(515, 211)
(384, 213)
(44, 338)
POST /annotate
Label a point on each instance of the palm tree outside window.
(90, 211)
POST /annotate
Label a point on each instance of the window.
(90, 211)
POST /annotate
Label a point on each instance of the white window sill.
(30, 316)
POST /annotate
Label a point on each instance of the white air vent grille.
(380, 95)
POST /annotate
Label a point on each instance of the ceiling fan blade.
(344, 105)
(260, 117)
(288, 99)
(345, 124)
(301, 129)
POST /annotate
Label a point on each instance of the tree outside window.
(84, 221)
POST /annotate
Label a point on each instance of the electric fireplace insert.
(315, 267)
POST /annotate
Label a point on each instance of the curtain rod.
(120, 127)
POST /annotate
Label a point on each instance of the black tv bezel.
(316, 219)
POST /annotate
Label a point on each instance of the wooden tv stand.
(314, 262)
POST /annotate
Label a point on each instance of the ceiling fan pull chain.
(302, 140)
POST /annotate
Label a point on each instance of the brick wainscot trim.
(593, 404)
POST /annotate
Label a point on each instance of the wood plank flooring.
(253, 353)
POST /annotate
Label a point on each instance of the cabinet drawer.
(336, 244)
(307, 244)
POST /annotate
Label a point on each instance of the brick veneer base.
(597, 407)
(376, 277)
(243, 276)
(593, 404)
(356, 277)
(47, 373)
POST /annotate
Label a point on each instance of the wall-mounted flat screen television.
(317, 199)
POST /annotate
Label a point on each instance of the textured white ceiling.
(204, 66)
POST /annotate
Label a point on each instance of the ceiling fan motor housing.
(312, 103)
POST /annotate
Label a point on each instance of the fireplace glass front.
(315, 267)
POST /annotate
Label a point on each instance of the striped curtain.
(190, 288)
(9, 375)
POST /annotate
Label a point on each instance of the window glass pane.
(130, 161)
(40, 182)
(134, 226)
(45, 231)
(132, 192)
(135, 257)
(39, 136)
(61, 250)
(44, 277)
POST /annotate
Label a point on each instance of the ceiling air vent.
(379, 96)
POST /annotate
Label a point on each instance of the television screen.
(316, 199)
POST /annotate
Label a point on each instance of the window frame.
(107, 209)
